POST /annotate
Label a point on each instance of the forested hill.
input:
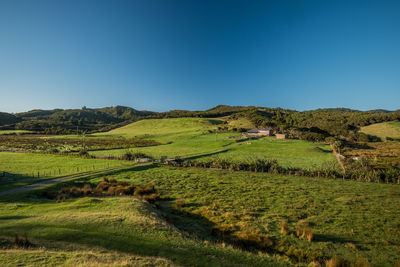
(59, 121)
(316, 124)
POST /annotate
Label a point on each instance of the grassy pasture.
(350, 219)
(190, 136)
(118, 231)
(23, 168)
(289, 153)
(383, 130)
(183, 146)
(294, 153)
(165, 130)
(3, 132)
(241, 123)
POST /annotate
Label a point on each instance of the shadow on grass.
(333, 239)
(186, 253)
(207, 154)
(13, 217)
(12, 180)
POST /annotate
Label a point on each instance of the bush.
(144, 190)
(284, 227)
(179, 203)
(129, 155)
(83, 153)
(22, 242)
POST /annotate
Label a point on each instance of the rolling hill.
(383, 130)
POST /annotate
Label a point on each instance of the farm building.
(260, 132)
(281, 136)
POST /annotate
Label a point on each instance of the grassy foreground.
(351, 220)
(120, 231)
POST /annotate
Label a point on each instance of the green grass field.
(118, 231)
(223, 210)
(342, 213)
(165, 130)
(189, 136)
(350, 220)
(2, 132)
(383, 130)
(289, 153)
(23, 168)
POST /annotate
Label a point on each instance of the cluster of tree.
(317, 125)
(60, 121)
(314, 125)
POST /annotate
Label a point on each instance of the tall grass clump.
(357, 171)
(284, 227)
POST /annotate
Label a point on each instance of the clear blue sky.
(162, 55)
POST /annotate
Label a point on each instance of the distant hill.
(342, 123)
(379, 111)
(6, 118)
(60, 121)
(337, 110)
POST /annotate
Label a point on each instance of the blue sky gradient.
(163, 54)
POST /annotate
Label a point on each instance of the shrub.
(102, 186)
(122, 189)
(284, 227)
(111, 191)
(335, 262)
(179, 203)
(152, 198)
(22, 242)
(87, 189)
(314, 264)
(299, 230)
(304, 231)
(308, 234)
(83, 153)
(144, 190)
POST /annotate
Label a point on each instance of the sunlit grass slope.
(383, 130)
(350, 219)
(165, 130)
(190, 136)
(293, 153)
(241, 123)
(181, 137)
(289, 153)
(118, 231)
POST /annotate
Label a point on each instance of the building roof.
(265, 129)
